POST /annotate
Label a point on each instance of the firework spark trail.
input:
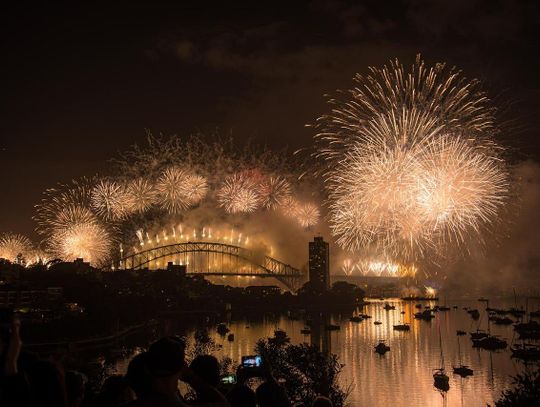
(239, 194)
(411, 165)
(273, 191)
(70, 228)
(179, 189)
(307, 215)
(110, 200)
(89, 241)
(141, 195)
(13, 245)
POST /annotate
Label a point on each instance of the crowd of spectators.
(153, 378)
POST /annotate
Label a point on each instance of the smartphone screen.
(251, 361)
(228, 379)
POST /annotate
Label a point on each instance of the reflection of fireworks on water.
(110, 200)
(238, 194)
(141, 195)
(273, 191)
(410, 163)
(13, 245)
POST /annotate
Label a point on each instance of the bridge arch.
(212, 258)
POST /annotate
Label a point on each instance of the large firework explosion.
(14, 246)
(166, 183)
(411, 165)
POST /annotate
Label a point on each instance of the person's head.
(165, 363)
(242, 396)
(207, 368)
(138, 375)
(115, 391)
(321, 401)
(270, 394)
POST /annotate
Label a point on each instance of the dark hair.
(242, 396)
(166, 356)
(138, 375)
(321, 401)
(271, 394)
(207, 368)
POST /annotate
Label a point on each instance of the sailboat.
(462, 369)
(440, 378)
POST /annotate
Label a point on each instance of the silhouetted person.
(271, 394)
(322, 402)
(208, 369)
(242, 396)
(115, 391)
(154, 377)
(26, 380)
(75, 386)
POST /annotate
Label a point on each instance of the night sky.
(81, 84)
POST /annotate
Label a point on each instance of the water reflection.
(403, 376)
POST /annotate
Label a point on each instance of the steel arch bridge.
(216, 259)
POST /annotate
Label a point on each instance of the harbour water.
(403, 376)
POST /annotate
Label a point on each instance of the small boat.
(474, 313)
(402, 312)
(490, 342)
(425, 315)
(402, 327)
(479, 334)
(332, 327)
(460, 333)
(365, 316)
(502, 321)
(377, 323)
(305, 331)
(441, 380)
(356, 318)
(389, 307)
(444, 308)
(222, 329)
(515, 312)
(230, 337)
(463, 371)
(526, 351)
(382, 348)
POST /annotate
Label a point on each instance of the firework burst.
(110, 200)
(239, 194)
(273, 191)
(307, 215)
(13, 246)
(411, 165)
(141, 195)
